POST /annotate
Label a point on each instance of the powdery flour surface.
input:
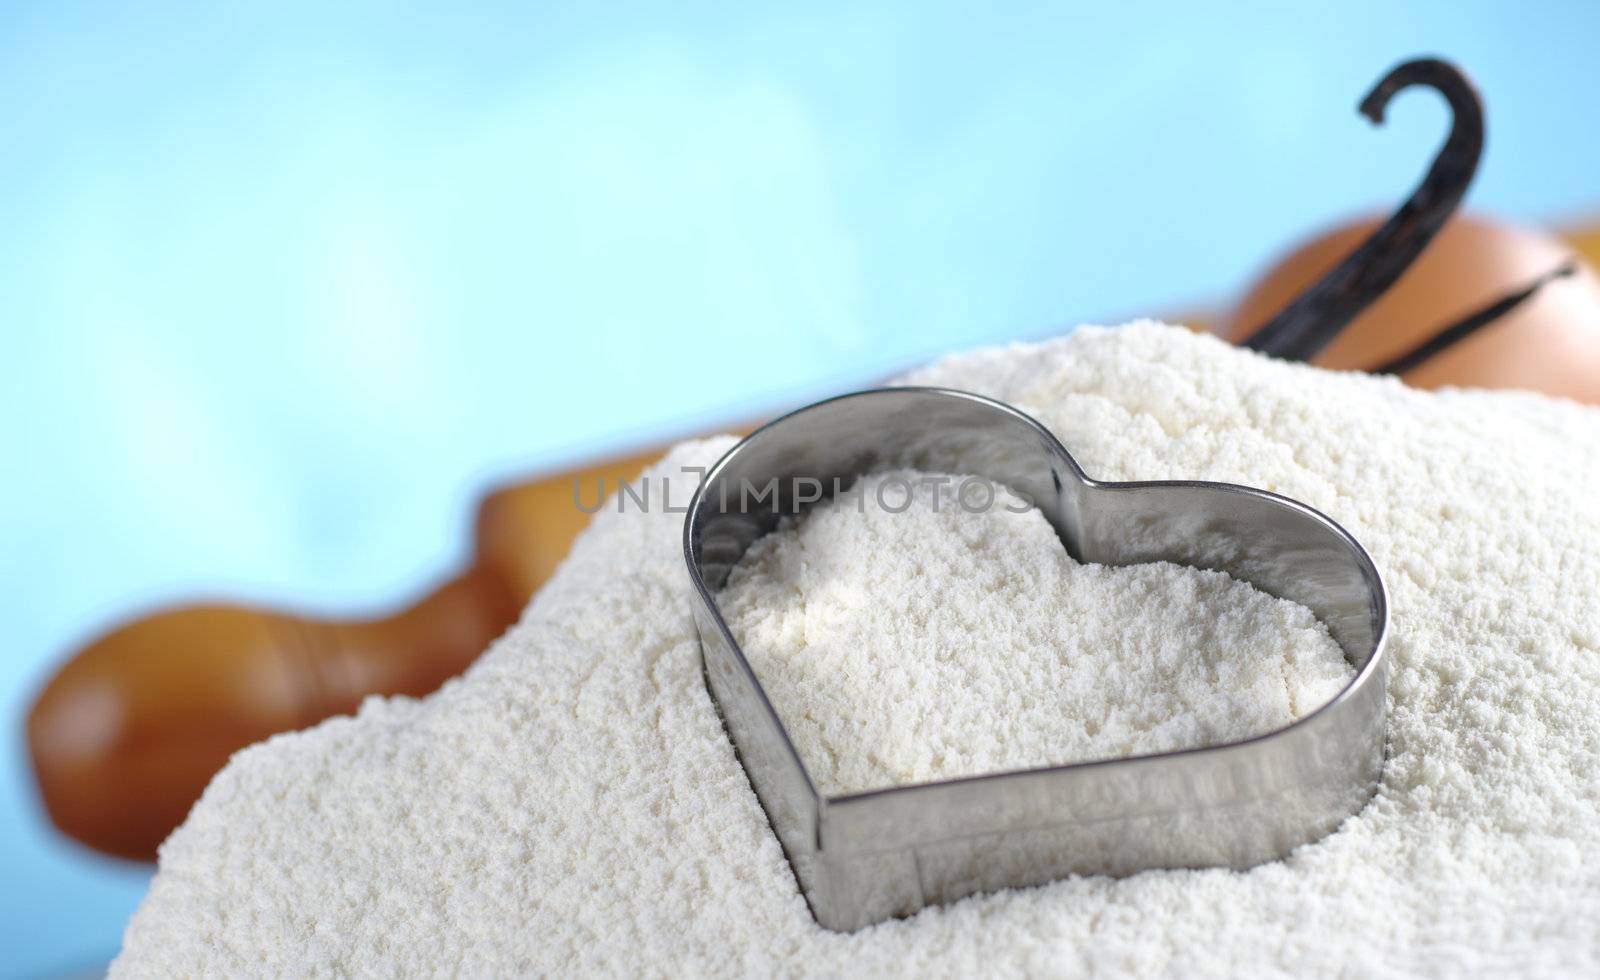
(571, 803)
(906, 635)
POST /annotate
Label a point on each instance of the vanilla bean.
(1311, 321)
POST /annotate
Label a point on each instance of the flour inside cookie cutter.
(864, 857)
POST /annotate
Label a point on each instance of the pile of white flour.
(571, 804)
(904, 635)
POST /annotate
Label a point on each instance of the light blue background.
(281, 289)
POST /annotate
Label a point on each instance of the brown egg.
(1551, 343)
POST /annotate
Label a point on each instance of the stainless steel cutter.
(864, 857)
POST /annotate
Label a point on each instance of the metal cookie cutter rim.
(867, 856)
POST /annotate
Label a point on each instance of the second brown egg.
(1550, 343)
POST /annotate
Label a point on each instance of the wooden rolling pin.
(126, 735)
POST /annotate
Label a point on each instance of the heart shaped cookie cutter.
(864, 857)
